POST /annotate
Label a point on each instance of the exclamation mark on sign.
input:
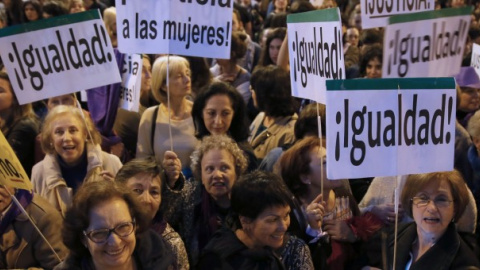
(228, 34)
(102, 29)
(449, 117)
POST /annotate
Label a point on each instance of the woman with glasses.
(106, 229)
(434, 201)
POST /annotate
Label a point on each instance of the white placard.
(388, 127)
(58, 56)
(475, 63)
(131, 82)
(316, 52)
(375, 13)
(186, 27)
(426, 44)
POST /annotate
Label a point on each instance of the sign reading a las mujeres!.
(412, 129)
(186, 27)
(58, 56)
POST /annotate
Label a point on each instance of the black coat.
(451, 251)
(225, 251)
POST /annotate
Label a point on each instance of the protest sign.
(316, 52)
(12, 173)
(58, 56)
(131, 82)
(475, 61)
(185, 27)
(412, 129)
(425, 44)
(375, 13)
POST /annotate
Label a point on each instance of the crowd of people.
(221, 168)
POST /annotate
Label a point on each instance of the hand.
(339, 230)
(386, 212)
(315, 212)
(108, 176)
(172, 166)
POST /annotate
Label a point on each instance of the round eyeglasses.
(101, 235)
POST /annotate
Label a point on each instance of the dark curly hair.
(372, 52)
(238, 128)
(89, 195)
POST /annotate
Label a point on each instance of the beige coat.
(277, 134)
(48, 182)
(22, 247)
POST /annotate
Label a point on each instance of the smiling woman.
(106, 229)
(259, 239)
(73, 156)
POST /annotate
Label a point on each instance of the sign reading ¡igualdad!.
(412, 129)
(425, 44)
(316, 52)
(58, 56)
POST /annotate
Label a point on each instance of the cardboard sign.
(186, 27)
(375, 13)
(387, 127)
(58, 56)
(316, 52)
(12, 173)
(425, 44)
(475, 63)
(131, 83)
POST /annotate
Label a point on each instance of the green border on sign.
(51, 22)
(391, 84)
(428, 15)
(321, 15)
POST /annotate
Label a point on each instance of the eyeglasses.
(101, 235)
(439, 202)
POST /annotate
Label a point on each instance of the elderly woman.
(142, 176)
(22, 246)
(468, 94)
(434, 201)
(259, 239)
(196, 209)
(106, 229)
(334, 211)
(220, 109)
(73, 155)
(18, 124)
(273, 126)
(154, 137)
